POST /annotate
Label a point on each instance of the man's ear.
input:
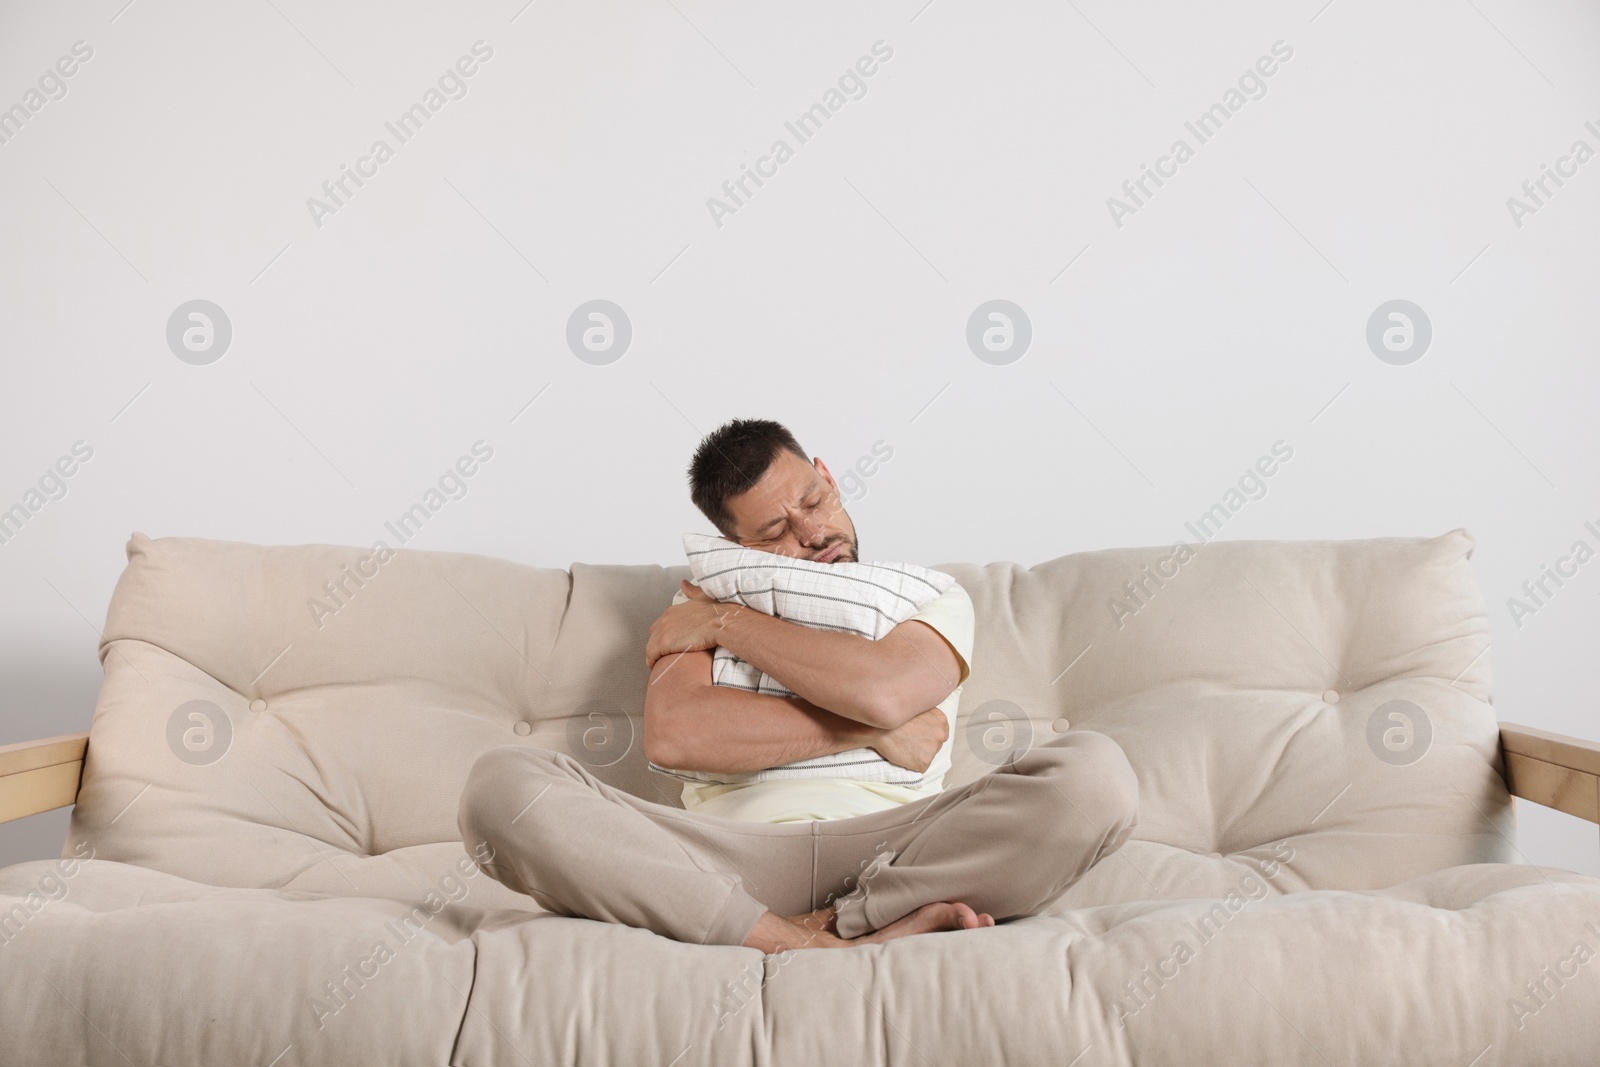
(827, 475)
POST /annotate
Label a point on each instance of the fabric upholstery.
(363, 728)
(1425, 974)
(1371, 905)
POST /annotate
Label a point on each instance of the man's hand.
(914, 743)
(688, 627)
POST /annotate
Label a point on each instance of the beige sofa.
(264, 865)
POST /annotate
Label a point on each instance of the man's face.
(795, 510)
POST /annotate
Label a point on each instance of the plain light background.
(1168, 353)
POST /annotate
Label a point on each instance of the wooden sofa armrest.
(1555, 770)
(37, 776)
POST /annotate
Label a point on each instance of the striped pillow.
(869, 599)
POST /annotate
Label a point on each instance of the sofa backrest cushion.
(306, 716)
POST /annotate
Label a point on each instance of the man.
(819, 863)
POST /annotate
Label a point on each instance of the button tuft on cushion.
(1061, 725)
(523, 729)
(1215, 855)
(258, 705)
(1330, 697)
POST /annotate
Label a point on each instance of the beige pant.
(1008, 844)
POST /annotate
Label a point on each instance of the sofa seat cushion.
(116, 964)
(1484, 964)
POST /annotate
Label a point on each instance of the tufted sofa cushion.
(304, 717)
(1428, 974)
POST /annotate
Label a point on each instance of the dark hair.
(731, 460)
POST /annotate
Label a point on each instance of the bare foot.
(940, 915)
(819, 929)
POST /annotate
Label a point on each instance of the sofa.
(264, 866)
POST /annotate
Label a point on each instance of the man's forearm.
(733, 730)
(841, 672)
(882, 683)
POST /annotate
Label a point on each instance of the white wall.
(1229, 311)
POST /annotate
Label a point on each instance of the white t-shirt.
(803, 800)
